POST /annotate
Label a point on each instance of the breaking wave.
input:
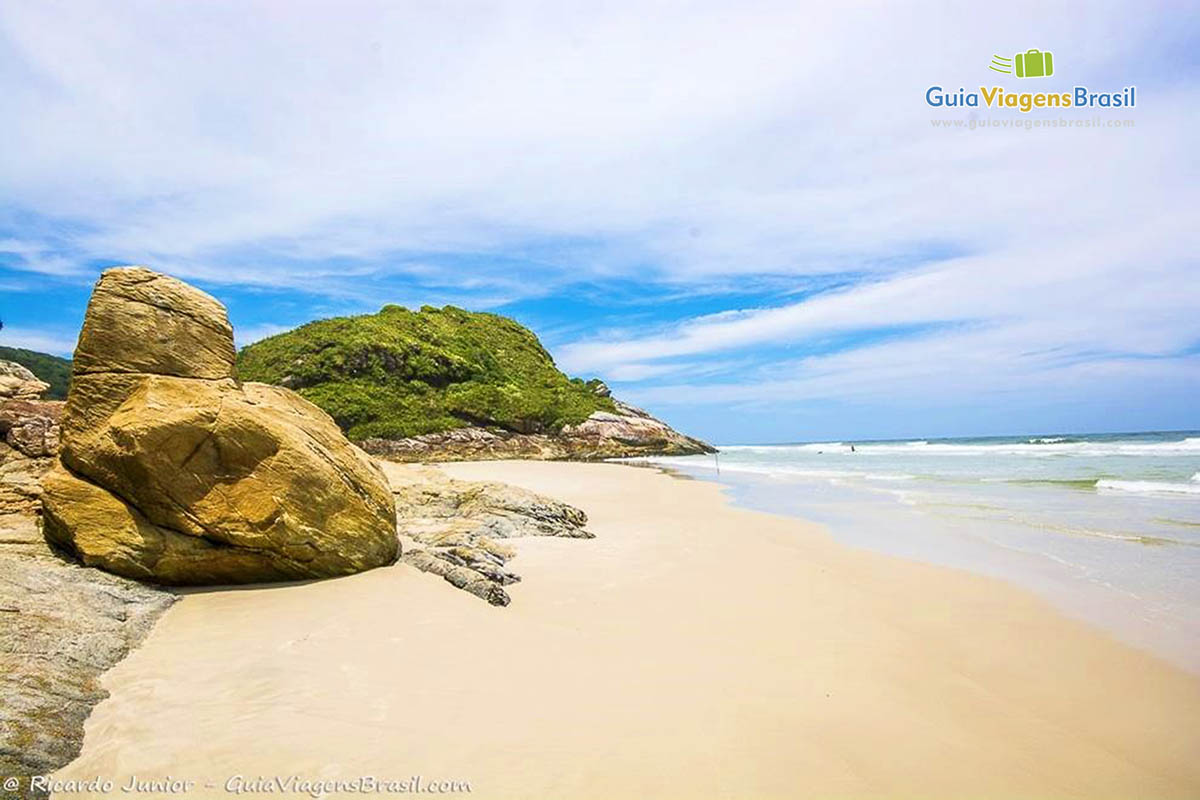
(1046, 446)
(1151, 487)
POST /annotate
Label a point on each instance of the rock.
(142, 322)
(599, 388)
(498, 510)
(18, 383)
(175, 472)
(29, 440)
(626, 433)
(454, 526)
(629, 432)
(460, 577)
(31, 426)
(61, 627)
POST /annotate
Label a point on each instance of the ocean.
(1104, 526)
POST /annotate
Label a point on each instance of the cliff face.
(448, 384)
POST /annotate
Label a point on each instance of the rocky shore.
(29, 438)
(625, 432)
(62, 625)
(163, 467)
(457, 528)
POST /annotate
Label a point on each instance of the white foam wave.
(773, 470)
(1049, 446)
(815, 447)
(1150, 487)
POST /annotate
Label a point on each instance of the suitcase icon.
(1035, 64)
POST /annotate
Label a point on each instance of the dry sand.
(692, 650)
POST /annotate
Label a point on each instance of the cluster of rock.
(29, 438)
(173, 471)
(628, 432)
(458, 527)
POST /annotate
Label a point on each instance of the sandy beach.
(690, 650)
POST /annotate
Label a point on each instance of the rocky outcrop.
(623, 433)
(31, 427)
(61, 627)
(173, 471)
(457, 528)
(29, 438)
(18, 383)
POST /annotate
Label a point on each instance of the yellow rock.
(105, 532)
(197, 478)
(142, 321)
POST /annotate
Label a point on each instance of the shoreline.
(933, 529)
(693, 649)
(942, 540)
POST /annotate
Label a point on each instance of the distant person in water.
(851, 448)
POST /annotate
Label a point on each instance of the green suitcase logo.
(1035, 64)
(1030, 64)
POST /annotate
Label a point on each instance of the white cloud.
(250, 335)
(37, 257)
(701, 142)
(44, 341)
(700, 146)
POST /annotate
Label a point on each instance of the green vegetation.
(402, 373)
(52, 369)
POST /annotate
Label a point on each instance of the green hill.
(52, 369)
(401, 373)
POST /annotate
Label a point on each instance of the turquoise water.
(1105, 526)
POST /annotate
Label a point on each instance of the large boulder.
(173, 471)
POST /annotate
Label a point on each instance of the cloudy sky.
(741, 215)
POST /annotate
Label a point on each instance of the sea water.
(1105, 526)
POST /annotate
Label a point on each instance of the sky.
(742, 216)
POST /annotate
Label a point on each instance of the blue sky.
(740, 215)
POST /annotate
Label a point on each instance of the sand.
(691, 650)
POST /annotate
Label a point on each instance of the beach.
(693, 649)
(1104, 526)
